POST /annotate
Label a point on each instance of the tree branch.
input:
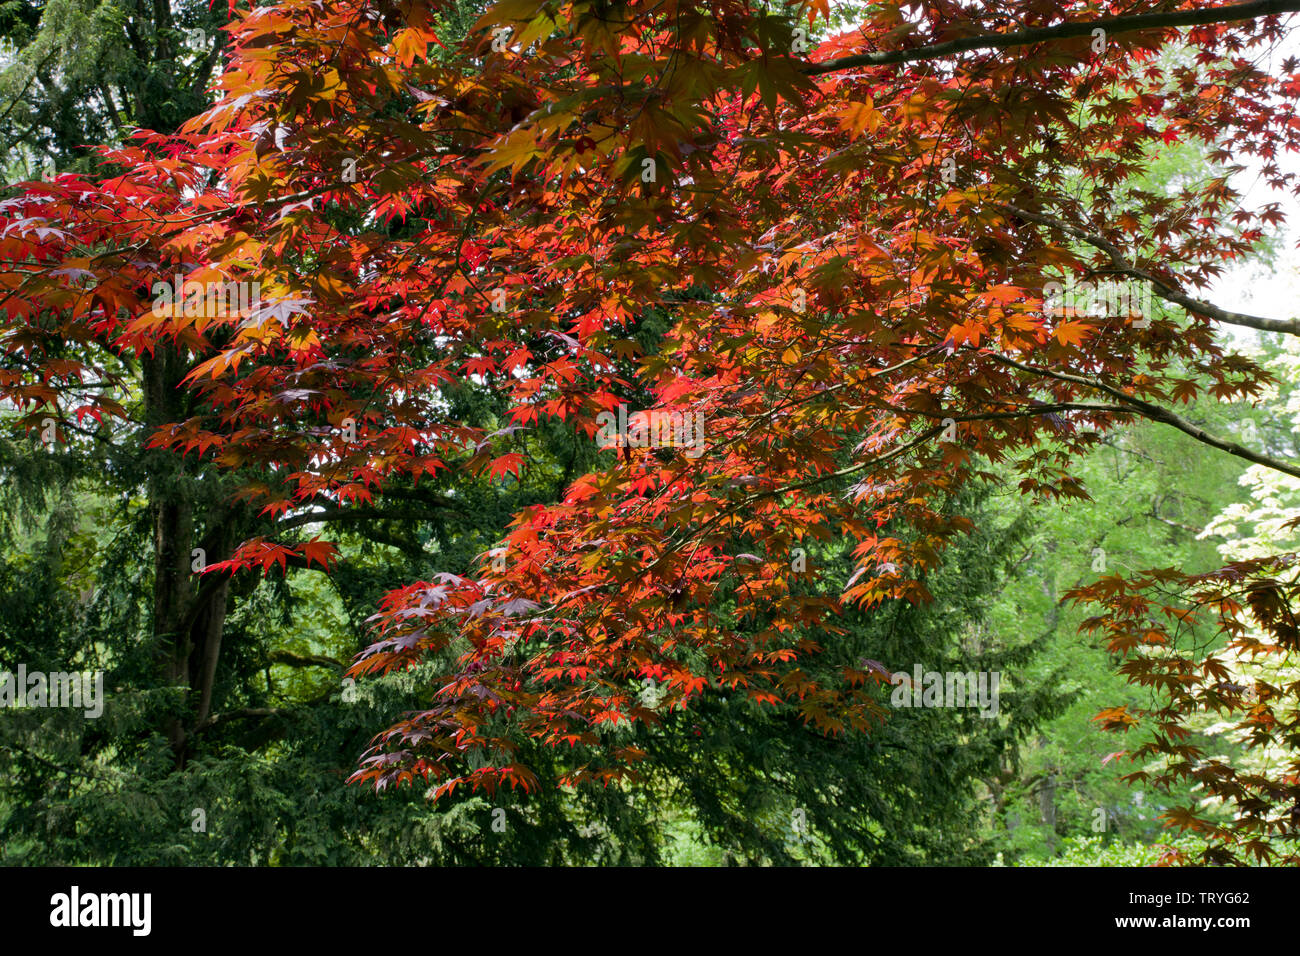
(1123, 266)
(1158, 414)
(360, 514)
(291, 659)
(1065, 31)
(241, 713)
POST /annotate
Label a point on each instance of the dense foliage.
(317, 368)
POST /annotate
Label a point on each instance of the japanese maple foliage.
(853, 243)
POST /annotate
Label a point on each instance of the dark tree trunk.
(188, 620)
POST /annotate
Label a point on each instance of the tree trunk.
(1047, 808)
(188, 621)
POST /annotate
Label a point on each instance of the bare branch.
(1124, 266)
(1158, 414)
(1064, 31)
(362, 514)
(291, 659)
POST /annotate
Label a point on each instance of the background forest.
(86, 581)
